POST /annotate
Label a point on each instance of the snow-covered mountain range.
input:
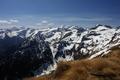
(28, 51)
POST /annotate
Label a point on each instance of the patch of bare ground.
(100, 68)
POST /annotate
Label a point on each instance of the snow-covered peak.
(71, 37)
(100, 27)
(52, 45)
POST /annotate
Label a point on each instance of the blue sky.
(76, 12)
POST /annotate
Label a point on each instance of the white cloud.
(50, 24)
(45, 24)
(14, 21)
(4, 22)
(8, 23)
(44, 21)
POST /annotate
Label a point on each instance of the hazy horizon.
(83, 13)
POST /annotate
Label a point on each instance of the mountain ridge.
(44, 48)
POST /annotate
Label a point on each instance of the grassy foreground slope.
(101, 68)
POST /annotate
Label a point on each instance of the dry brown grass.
(101, 68)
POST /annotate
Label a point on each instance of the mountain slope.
(30, 52)
(106, 67)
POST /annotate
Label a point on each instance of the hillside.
(106, 67)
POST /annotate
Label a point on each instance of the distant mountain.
(28, 51)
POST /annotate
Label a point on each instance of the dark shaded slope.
(26, 58)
